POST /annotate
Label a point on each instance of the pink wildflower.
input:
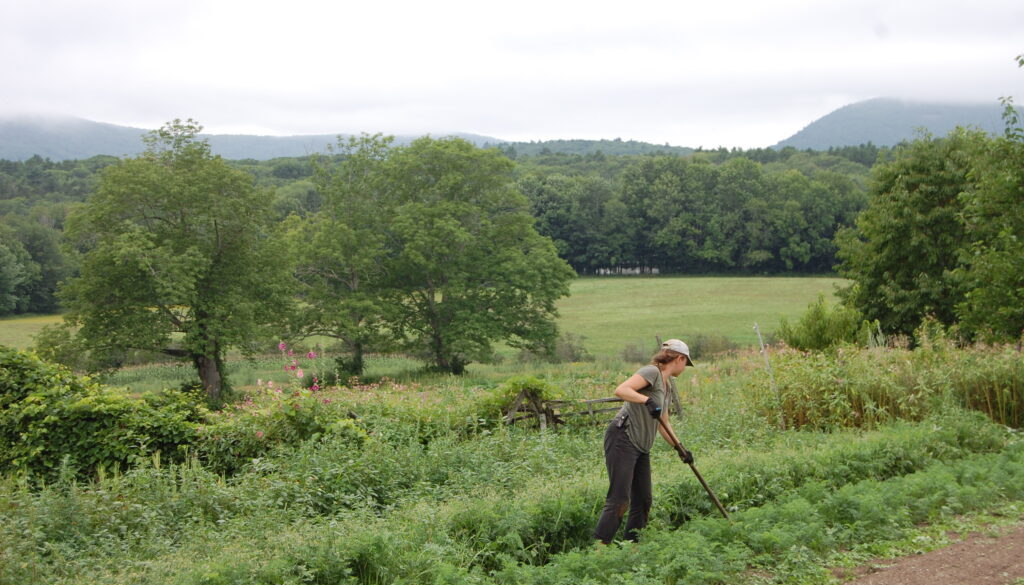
(327, 401)
(299, 374)
(259, 434)
(314, 387)
(270, 383)
(311, 355)
(290, 353)
(282, 346)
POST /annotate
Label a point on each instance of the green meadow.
(19, 331)
(611, 312)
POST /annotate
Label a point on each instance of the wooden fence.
(528, 405)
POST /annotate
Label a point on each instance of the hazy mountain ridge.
(882, 122)
(887, 122)
(74, 138)
(585, 147)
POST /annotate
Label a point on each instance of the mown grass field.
(18, 331)
(611, 312)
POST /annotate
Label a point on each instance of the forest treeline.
(709, 211)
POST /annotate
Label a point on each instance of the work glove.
(685, 455)
(653, 407)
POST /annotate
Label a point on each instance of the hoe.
(679, 447)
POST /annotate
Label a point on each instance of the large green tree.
(176, 257)
(468, 267)
(908, 241)
(993, 262)
(341, 251)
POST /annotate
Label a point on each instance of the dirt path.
(976, 560)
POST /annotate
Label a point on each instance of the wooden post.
(515, 406)
(771, 377)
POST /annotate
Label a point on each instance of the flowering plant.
(293, 368)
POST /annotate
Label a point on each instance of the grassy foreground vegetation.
(415, 482)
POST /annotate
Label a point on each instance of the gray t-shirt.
(641, 427)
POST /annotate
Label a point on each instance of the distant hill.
(74, 138)
(64, 138)
(609, 147)
(882, 122)
(886, 122)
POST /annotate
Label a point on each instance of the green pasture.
(19, 331)
(609, 313)
(613, 312)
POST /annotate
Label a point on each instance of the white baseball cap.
(678, 347)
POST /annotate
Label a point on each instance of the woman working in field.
(630, 436)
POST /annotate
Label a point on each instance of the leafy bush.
(391, 482)
(823, 326)
(249, 430)
(49, 416)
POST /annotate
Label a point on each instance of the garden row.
(513, 506)
(795, 538)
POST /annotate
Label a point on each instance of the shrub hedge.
(51, 418)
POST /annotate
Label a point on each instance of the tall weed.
(852, 387)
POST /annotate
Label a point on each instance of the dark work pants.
(629, 485)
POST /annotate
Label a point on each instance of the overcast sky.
(744, 73)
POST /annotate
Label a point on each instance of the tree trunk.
(440, 361)
(451, 364)
(357, 363)
(208, 368)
